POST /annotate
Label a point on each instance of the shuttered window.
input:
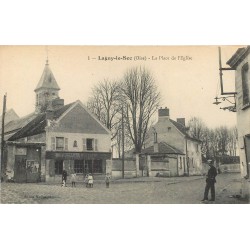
(90, 145)
(84, 144)
(66, 143)
(53, 143)
(59, 143)
(96, 145)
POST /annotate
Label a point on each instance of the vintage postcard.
(125, 124)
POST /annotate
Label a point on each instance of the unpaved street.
(179, 190)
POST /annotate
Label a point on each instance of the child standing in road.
(73, 179)
(107, 180)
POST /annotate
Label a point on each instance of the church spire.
(47, 89)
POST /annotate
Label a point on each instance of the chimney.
(156, 147)
(181, 121)
(57, 103)
(49, 114)
(163, 113)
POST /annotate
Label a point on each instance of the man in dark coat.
(64, 177)
(210, 181)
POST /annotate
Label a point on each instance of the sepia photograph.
(125, 124)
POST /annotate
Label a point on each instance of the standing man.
(210, 181)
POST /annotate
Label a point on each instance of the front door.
(20, 174)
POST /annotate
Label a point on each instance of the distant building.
(10, 115)
(240, 63)
(54, 138)
(174, 135)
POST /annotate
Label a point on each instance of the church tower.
(46, 90)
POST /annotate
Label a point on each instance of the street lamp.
(231, 108)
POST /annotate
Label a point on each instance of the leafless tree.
(105, 104)
(140, 100)
(199, 130)
(223, 138)
(232, 141)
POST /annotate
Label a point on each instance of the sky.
(187, 76)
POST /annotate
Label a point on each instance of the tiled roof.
(183, 130)
(37, 124)
(238, 57)
(163, 148)
(60, 111)
(47, 79)
(18, 123)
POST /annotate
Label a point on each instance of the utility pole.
(122, 143)
(2, 135)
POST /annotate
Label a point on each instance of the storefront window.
(78, 166)
(97, 166)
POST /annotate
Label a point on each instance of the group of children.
(89, 181)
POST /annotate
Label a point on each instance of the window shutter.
(95, 141)
(66, 144)
(53, 143)
(84, 144)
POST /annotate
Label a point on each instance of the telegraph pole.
(122, 143)
(2, 135)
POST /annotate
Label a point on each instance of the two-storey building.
(54, 138)
(175, 135)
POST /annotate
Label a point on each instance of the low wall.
(230, 168)
(129, 168)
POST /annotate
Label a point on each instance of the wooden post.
(2, 139)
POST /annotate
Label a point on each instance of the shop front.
(81, 163)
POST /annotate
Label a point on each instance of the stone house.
(54, 138)
(175, 135)
(240, 63)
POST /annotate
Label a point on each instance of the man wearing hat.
(210, 181)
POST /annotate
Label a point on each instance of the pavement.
(142, 190)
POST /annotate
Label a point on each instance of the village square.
(122, 146)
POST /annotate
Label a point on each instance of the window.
(78, 166)
(90, 144)
(97, 166)
(58, 167)
(169, 129)
(59, 143)
(245, 87)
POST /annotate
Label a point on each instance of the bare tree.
(223, 138)
(199, 130)
(232, 141)
(140, 100)
(105, 104)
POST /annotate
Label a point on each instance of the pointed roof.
(183, 130)
(37, 124)
(47, 79)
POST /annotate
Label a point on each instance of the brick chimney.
(156, 147)
(163, 113)
(181, 121)
(57, 103)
